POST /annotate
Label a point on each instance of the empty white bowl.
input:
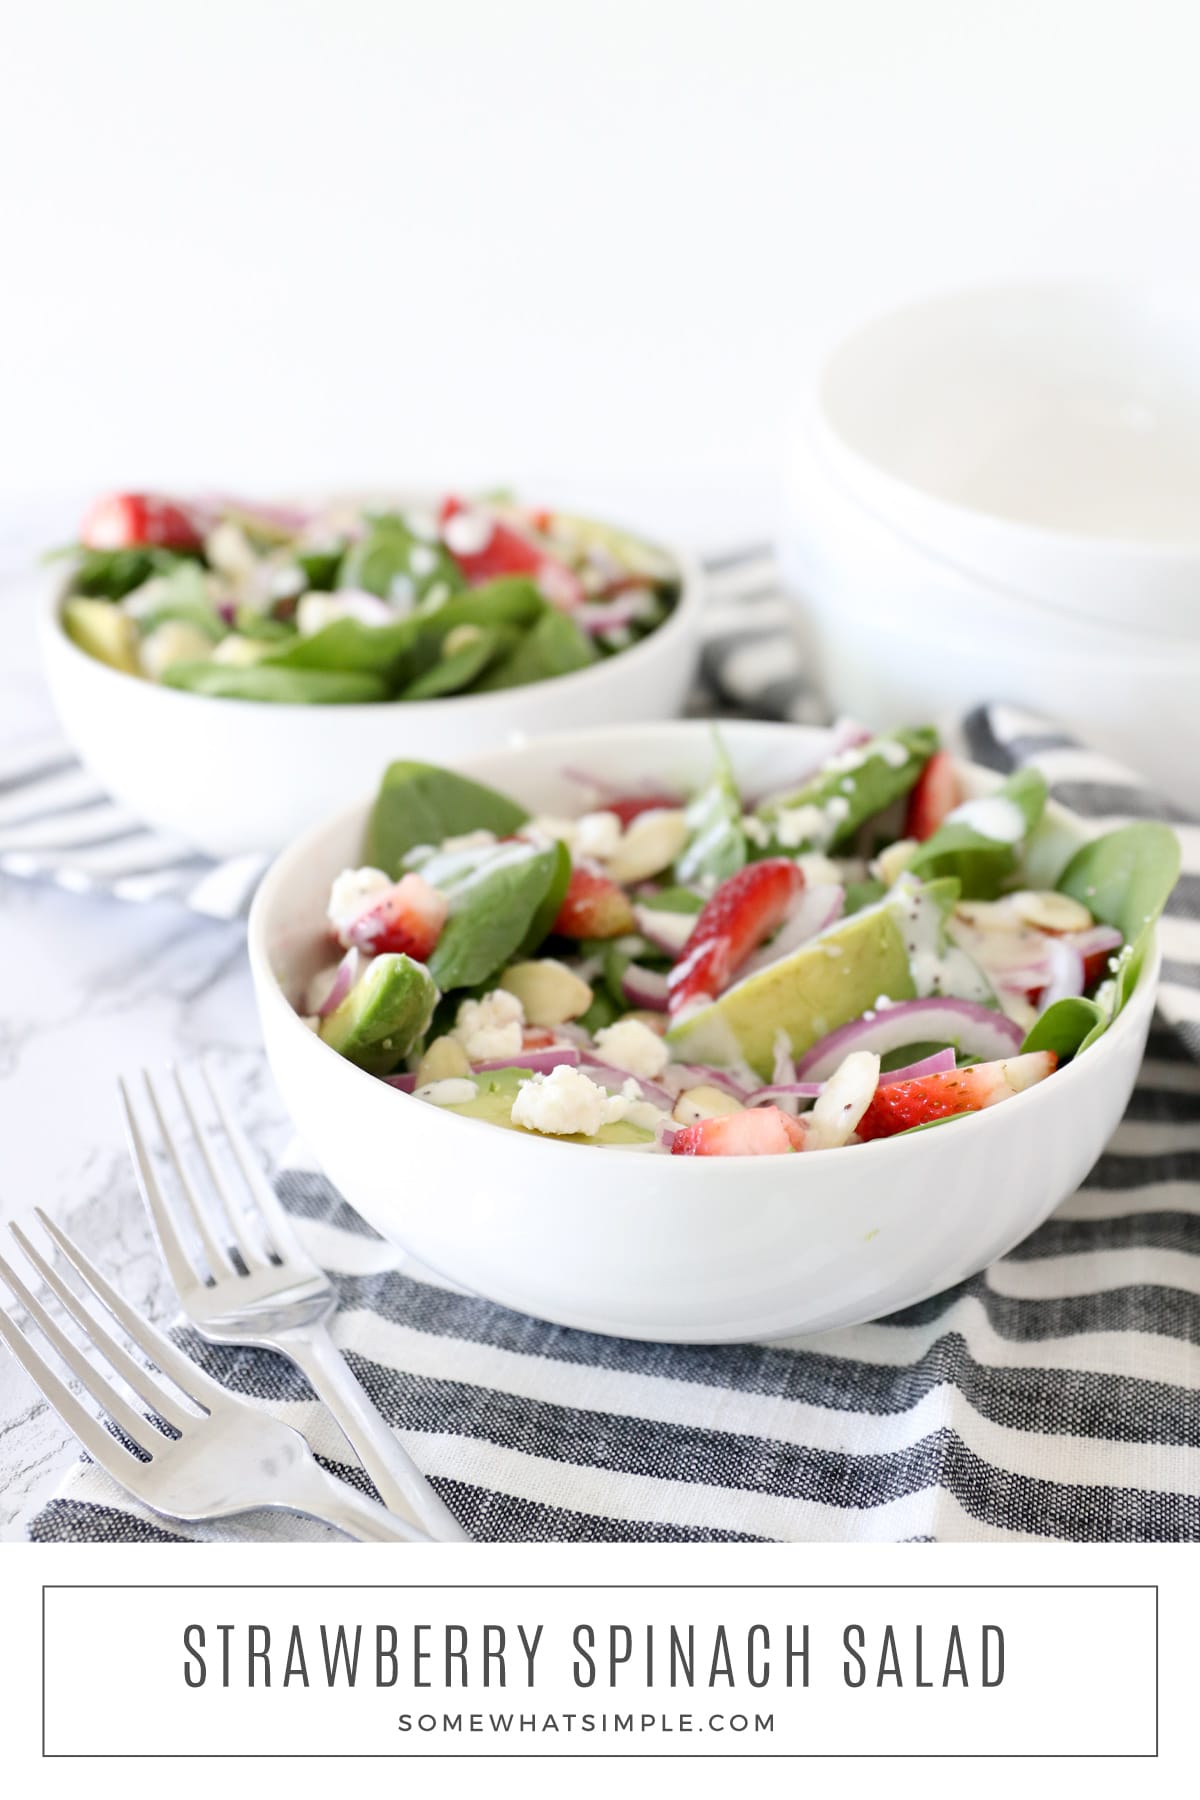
(674, 1249)
(1045, 437)
(899, 633)
(230, 776)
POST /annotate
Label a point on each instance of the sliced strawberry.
(628, 810)
(758, 1131)
(121, 521)
(908, 1103)
(938, 791)
(743, 912)
(408, 917)
(485, 547)
(593, 906)
(537, 1037)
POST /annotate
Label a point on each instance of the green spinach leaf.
(716, 845)
(554, 645)
(980, 862)
(1125, 879)
(290, 687)
(846, 792)
(419, 803)
(492, 913)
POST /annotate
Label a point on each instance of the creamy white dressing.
(993, 816)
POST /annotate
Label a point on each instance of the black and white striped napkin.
(1057, 1395)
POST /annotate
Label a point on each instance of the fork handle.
(401, 1485)
(354, 1514)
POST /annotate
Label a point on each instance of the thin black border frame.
(583, 1587)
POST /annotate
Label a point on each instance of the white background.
(282, 241)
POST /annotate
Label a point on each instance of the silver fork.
(229, 1457)
(271, 1295)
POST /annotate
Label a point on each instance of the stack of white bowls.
(995, 495)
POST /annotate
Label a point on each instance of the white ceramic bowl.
(1043, 436)
(229, 776)
(677, 1250)
(901, 634)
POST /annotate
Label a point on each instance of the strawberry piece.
(537, 1037)
(485, 547)
(628, 810)
(743, 912)
(407, 917)
(937, 792)
(907, 1103)
(758, 1131)
(593, 906)
(122, 521)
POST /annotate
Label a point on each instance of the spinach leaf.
(451, 674)
(547, 912)
(716, 846)
(674, 900)
(293, 687)
(390, 559)
(982, 863)
(846, 792)
(182, 593)
(509, 600)
(1125, 879)
(419, 803)
(349, 645)
(321, 566)
(492, 913)
(1065, 1027)
(555, 645)
(111, 574)
(862, 893)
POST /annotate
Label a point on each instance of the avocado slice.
(383, 1015)
(824, 984)
(494, 1102)
(103, 631)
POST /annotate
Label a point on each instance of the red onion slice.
(974, 1029)
(687, 1075)
(538, 1062)
(816, 909)
(404, 1083)
(942, 1062)
(605, 1073)
(1066, 973)
(1095, 940)
(646, 988)
(344, 978)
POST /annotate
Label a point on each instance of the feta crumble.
(351, 892)
(565, 1102)
(633, 1046)
(491, 1027)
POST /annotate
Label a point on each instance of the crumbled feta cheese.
(796, 825)
(453, 1090)
(756, 829)
(631, 1045)
(597, 834)
(469, 840)
(490, 1027)
(565, 1102)
(467, 533)
(422, 560)
(351, 892)
(315, 611)
(837, 808)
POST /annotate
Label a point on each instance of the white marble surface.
(89, 989)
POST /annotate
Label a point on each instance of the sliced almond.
(444, 1060)
(460, 638)
(650, 845)
(549, 992)
(704, 1102)
(1047, 911)
(891, 863)
(987, 915)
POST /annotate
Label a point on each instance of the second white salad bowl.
(673, 1249)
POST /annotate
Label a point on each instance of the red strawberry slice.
(485, 547)
(537, 1037)
(938, 791)
(121, 521)
(759, 1131)
(408, 917)
(593, 906)
(908, 1103)
(628, 810)
(743, 912)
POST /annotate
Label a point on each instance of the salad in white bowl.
(861, 953)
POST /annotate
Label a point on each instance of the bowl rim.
(1182, 552)
(269, 990)
(675, 630)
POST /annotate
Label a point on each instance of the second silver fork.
(255, 1284)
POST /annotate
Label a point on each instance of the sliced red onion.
(405, 1083)
(344, 978)
(1095, 940)
(667, 931)
(613, 615)
(538, 1062)
(1066, 973)
(976, 1030)
(942, 1062)
(816, 909)
(646, 988)
(703, 1075)
(604, 1073)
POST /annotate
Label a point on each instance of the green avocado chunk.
(826, 983)
(418, 803)
(386, 1011)
(103, 631)
(494, 1102)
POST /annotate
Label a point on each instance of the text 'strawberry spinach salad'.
(347, 605)
(709, 974)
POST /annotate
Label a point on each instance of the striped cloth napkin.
(1053, 1396)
